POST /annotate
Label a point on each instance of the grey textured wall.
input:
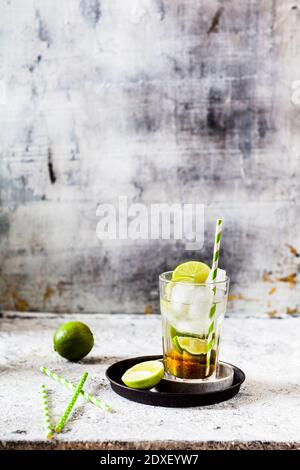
(160, 101)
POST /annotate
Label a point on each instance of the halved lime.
(191, 271)
(191, 345)
(144, 375)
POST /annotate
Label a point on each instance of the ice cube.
(201, 303)
(195, 327)
(220, 294)
(182, 295)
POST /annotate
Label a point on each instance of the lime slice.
(176, 344)
(191, 271)
(191, 345)
(175, 332)
(144, 375)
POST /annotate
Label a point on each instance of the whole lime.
(73, 340)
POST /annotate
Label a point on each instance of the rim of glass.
(163, 279)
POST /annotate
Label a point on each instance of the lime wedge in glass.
(175, 332)
(144, 375)
(191, 345)
(191, 271)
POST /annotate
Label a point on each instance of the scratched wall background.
(159, 101)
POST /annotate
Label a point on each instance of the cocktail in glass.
(192, 316)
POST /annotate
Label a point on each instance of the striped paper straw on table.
(214, 270)
(87, 396)
(71, 403)
(47, 423)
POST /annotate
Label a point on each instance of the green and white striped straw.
(214, 270)
(71, 403)
(47, 423)
(87, 396)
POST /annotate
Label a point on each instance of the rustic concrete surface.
(160, 101)
(265, 414)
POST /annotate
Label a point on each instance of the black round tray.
(156, 398)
